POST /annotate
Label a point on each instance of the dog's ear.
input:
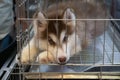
(69, 17)
(40, 21)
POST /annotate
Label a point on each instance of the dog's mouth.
(62, 63)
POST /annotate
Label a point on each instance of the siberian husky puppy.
(59, 34)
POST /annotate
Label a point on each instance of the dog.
(58, 33)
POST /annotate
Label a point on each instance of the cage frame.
(61, 75)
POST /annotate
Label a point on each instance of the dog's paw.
(45, 58)
(26, 57)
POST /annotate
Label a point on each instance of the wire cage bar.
(99, 60)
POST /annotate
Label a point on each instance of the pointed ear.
(69, 17)
(40, 21)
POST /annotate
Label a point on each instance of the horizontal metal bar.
(70, 64)
(70, 19)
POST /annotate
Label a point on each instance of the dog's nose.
(62, 59)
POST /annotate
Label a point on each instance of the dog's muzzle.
(62, 60)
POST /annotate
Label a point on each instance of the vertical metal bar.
(104, 47)
(19, 34)
(84, 27)
(17, 15)
(75, 34)
(86, 21)
(38, 42)
(66, 26)
(113, 14)
(113, 36)
(46, 5)
(104, 42)
(23, 23)
(56, 2)
(45, 9)
(95, 23)
(27, 30)
(104, 34)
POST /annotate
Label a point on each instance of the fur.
(59, 34)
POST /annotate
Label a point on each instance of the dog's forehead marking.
(63, 33)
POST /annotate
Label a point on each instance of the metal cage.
(100, 60)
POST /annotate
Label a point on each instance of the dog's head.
(56, 33)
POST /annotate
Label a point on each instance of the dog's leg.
(28, 53)
(45, 58)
